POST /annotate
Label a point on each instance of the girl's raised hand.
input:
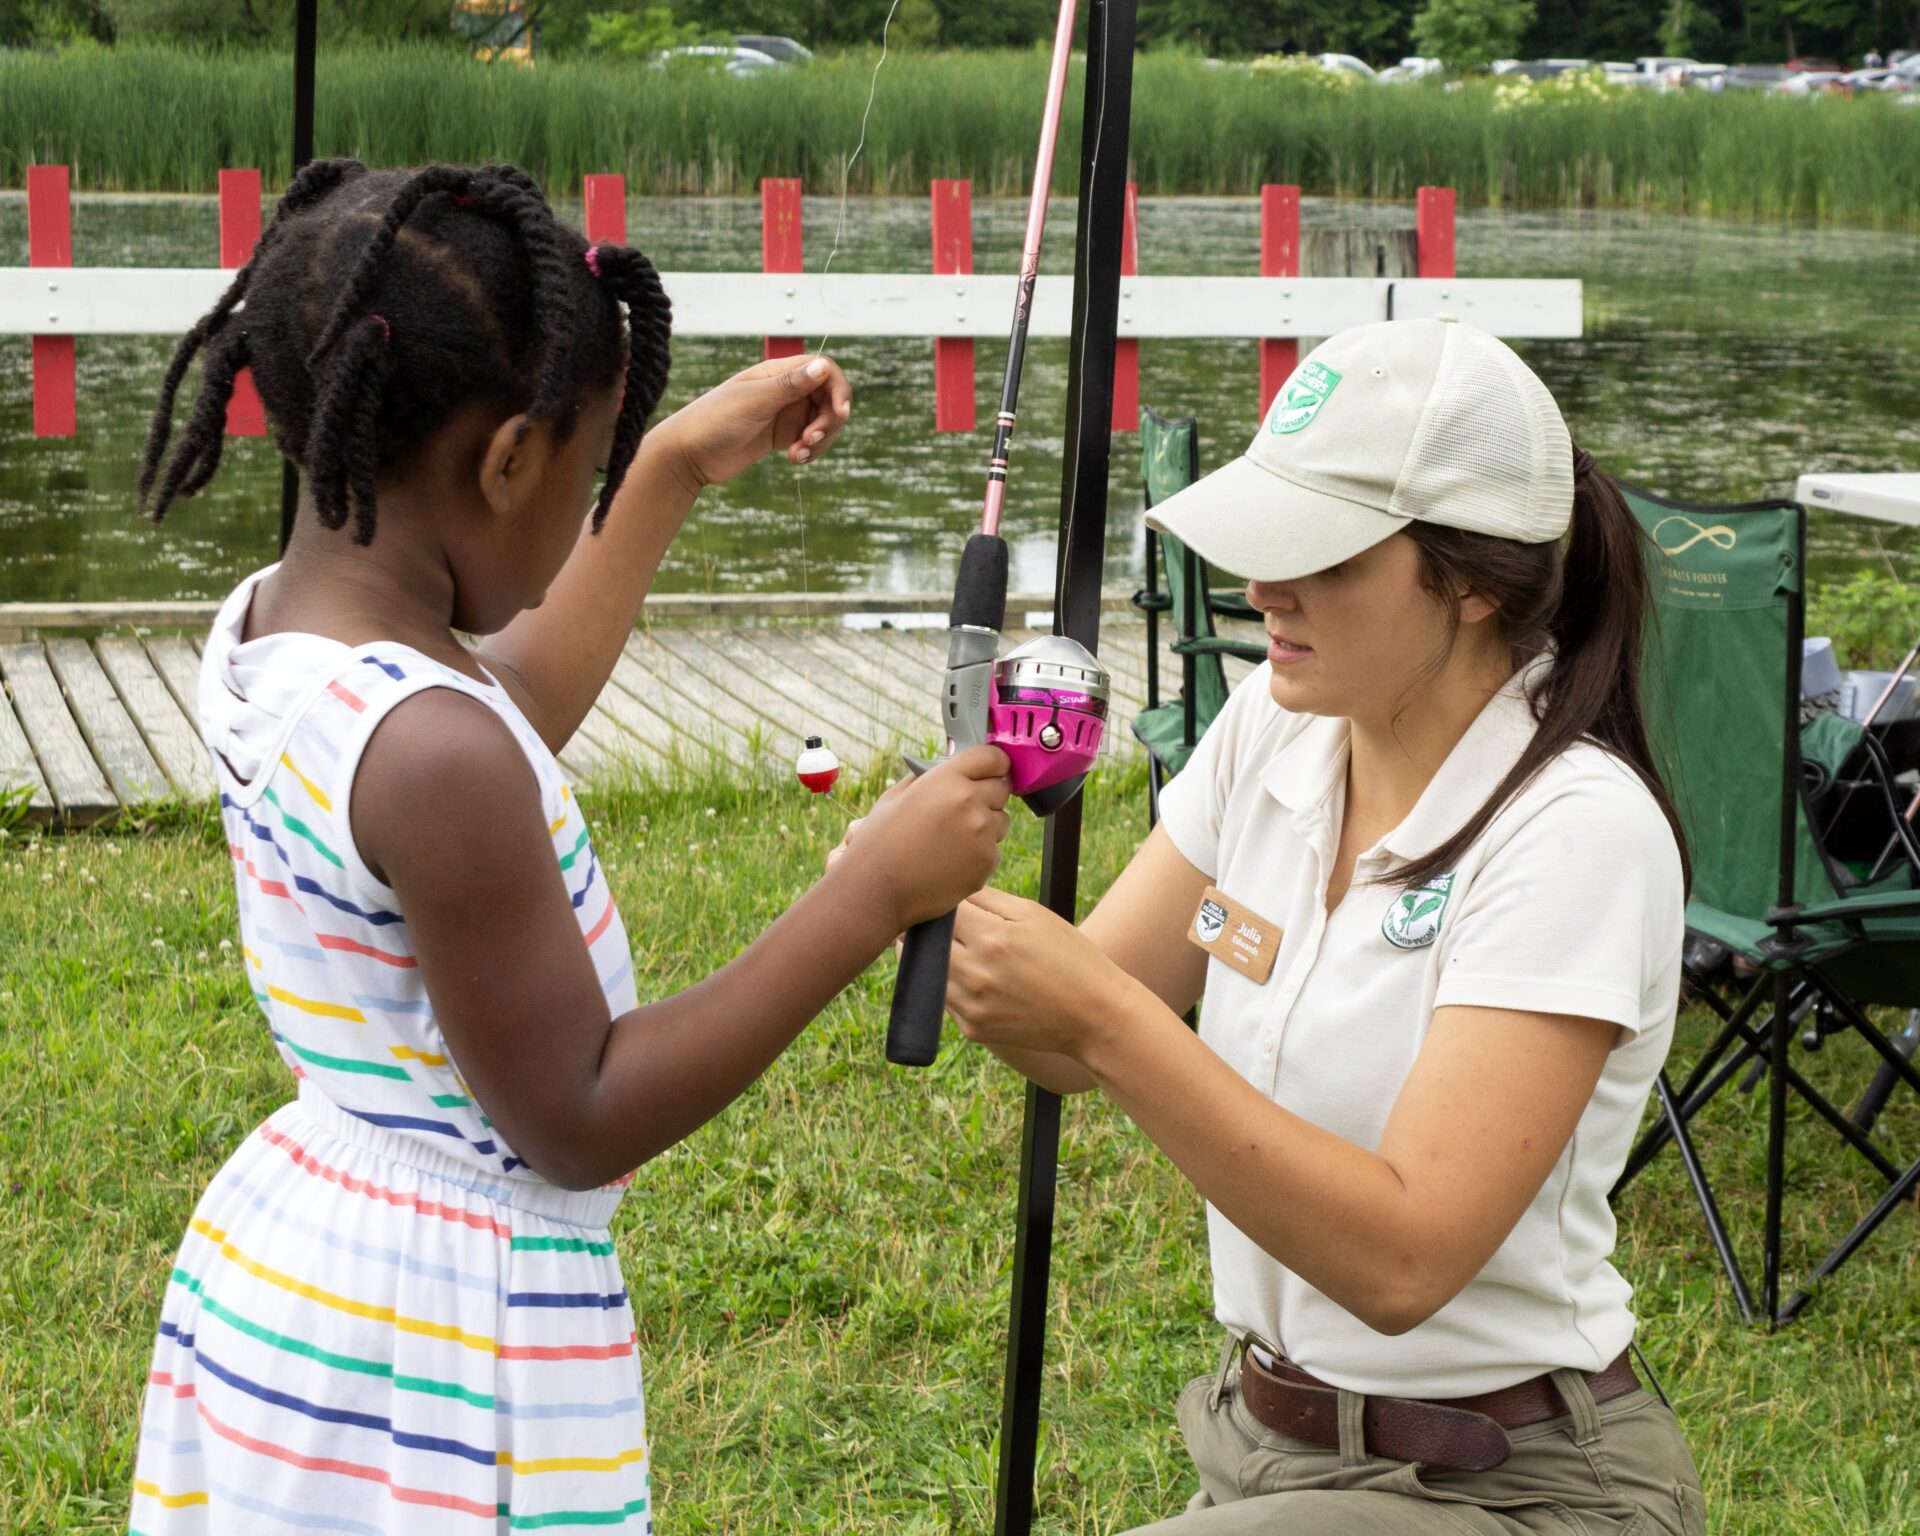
(795, 405)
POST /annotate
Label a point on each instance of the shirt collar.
(1475, 766)
(1304, 773)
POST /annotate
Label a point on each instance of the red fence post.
(1126, 351)
(606, 219)
(780, 245)
(953, 402)
(239, 234)
(50, 244)
(1433, 232)
(1279, 257)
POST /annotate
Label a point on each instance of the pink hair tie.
(386, 331)
(593, 260)
(461, 200)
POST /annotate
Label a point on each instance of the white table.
(1890, 498)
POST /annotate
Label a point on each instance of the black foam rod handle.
(980, 590)
(920, 993)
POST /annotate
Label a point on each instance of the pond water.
(1720, 360)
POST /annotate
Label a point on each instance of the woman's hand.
(934, 840)
(1024, 979)
(794, 405)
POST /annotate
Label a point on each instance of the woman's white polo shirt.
(1570, 903)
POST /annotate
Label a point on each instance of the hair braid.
(313, 183)
(196, 456)
(551, 263)
(365, 274)
(341, 446)
(631, 279)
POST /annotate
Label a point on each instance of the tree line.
(1731, 31)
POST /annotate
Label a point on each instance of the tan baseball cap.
(1380, 426)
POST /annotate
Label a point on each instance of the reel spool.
(1049, 715)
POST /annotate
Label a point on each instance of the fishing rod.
(1045, 703)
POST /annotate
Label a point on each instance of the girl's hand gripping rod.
(1045, 705)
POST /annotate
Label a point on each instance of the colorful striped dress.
(380, 1319)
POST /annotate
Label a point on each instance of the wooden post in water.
(1366, 251)
(606, 209)
(953, 380)
(1279, 257)
(239, 234)
(50, 244)
(780, 245)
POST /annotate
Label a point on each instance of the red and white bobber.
(817, 767)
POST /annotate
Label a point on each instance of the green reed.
(158, 119)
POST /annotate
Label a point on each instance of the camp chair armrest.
(1214, 645)
(1892, 904)
(1152, 602)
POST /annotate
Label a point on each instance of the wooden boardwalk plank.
(80, 789)
(19, 769)
(169, 734)
(707, 725)
(784, 661)
(834, 656)
(790, 707)
(179, 669)
(103, 719)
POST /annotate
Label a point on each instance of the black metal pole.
(305, 30)
(1076, 613)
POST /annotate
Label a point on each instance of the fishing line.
(839, 230)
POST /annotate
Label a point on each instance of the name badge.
(1236, 936)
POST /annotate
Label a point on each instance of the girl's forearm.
(562, 652)
(671, 1066)
(1338, 1216)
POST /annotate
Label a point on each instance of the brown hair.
(1588, 602)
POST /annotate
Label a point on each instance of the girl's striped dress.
(380, 1319)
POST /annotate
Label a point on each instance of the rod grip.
(920, 993)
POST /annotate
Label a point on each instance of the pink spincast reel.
(1049, 715)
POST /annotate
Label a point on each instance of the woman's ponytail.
(1588, 602)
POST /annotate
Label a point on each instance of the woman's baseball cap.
(1383, 425)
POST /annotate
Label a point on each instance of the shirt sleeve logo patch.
(1413, 921)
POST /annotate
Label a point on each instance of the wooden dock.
(91, 725)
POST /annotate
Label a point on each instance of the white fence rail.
(132, 301)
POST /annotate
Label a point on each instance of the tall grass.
(167, 120)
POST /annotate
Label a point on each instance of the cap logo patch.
(1307, 389)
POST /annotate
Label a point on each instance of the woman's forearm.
(562, 652)
(1336, 1215)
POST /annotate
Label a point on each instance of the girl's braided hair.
(378, 304)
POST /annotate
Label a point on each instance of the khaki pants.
(1619, 1468)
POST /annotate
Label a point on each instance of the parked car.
(1704, 77)
(1546, 69)
(734, 60)
(1346, 63)
(1809, 65)
(782, 50)
(1620, 73)
(1812, 82)
(1411, 68)
(1890, 81)
(1752, 77)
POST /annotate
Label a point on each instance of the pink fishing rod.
(1029, 267)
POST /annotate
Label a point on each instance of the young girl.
(1427, 873)
(397, 1307)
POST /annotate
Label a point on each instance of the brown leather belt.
(1468, 1434)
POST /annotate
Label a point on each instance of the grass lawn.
(821, 1275)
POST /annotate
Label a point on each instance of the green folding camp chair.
(1169, 462)
(1816, 935)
